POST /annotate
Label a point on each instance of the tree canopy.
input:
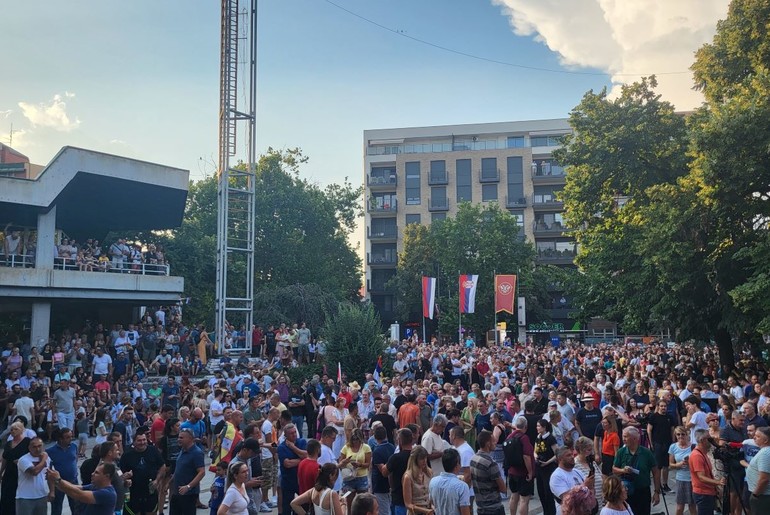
(478, 240)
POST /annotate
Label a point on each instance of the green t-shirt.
(643, 461)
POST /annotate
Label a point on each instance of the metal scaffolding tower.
(236, 182)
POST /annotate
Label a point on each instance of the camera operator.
(704, 486)
(758, 473)
(732, 434)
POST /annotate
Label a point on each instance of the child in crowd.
(218, 488)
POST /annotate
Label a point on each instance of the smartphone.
(592, 472)
(343, 496)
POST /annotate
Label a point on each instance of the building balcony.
(438, 178)
(438, 204)
(541, 203)
(489, 175)
(514, 202)
(554, 176)
(382, 234)
(540, 228)
(556, 257)
(382, 183)
(389, 208)
(378, 260)
(377, 287)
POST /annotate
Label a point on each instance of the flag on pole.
(468, 285)
(428, 296)
(505, 291)
(339, 373)
(378, 371)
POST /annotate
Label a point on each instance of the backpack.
(513, 451)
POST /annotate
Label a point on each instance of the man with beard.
(148, 468)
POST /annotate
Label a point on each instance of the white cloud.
(51, 114)
(6, 114)
(626, 39)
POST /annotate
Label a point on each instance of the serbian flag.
(378, 371)
(339, 373)
(505, 290)
(428, 296)
(468, 293)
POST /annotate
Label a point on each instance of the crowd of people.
(448, 429)
(19, 249)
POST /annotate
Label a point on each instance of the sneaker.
(264, 508)
(274, 501)
(273, 504)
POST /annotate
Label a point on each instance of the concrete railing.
(16, 261)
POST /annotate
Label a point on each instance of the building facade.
(421, 175)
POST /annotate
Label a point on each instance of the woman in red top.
(610, 444)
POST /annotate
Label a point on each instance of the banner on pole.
(428, 296)
(505, 293)
(468, 285)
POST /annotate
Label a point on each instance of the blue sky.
(141, 78)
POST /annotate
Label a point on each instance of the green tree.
(354, 338)
(619, 149)
(478, 240)
(294, 303)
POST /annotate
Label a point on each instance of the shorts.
(356, 484)
(684, 493)
(269, 477)
(661, 454)
(83, 438)
(520, 485)
(139, 505)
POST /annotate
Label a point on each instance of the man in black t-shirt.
(387, 421)
(395, 469)
(381, 454)
(660, 428)
(147, 466)
(270, 341)
(588, 417)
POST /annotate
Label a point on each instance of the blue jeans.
(299, 422)
(705, 504)
(398, 509)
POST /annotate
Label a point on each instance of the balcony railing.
(380, 259)
(382, 233)
(439, 204)
(515, 201)
(91, 265)
(438, 178)
(382, 181)
(389, 207)
(540, 226)
(489, 175)
(556, 256)
(546, 169)
(546, 202)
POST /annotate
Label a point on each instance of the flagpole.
(460, 312)
(494, 304)
(423, 303)
(438, 318)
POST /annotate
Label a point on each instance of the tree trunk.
(726, 352)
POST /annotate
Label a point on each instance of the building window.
(413, 219)
(413, 183)
(438, 173)
(545, 141)
(463, 178)
(488, 192)
(519, 216)
(489, 168)
(515, 181)
(516, 142)
(437, 217)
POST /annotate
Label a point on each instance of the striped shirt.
(484, 476)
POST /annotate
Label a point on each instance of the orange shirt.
(610, 443)
(700, 463)
(408, 414)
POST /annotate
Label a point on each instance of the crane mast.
(236, 174)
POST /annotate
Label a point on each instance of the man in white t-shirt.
(160, 316)
(328, 435)
(435, 444)
(565, 477)
(457, 437)
(34, 491)
(25, 407)
(269, 451)
(696, 419)
(102, 363)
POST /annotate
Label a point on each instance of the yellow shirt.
(358, 457)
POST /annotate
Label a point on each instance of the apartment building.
(421, 174)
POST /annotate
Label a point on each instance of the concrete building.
(421, 174)
(85, 194)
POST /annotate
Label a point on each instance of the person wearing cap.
(588, 417)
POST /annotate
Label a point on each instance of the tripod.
(731, 485)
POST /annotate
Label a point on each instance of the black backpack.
(513, 451)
